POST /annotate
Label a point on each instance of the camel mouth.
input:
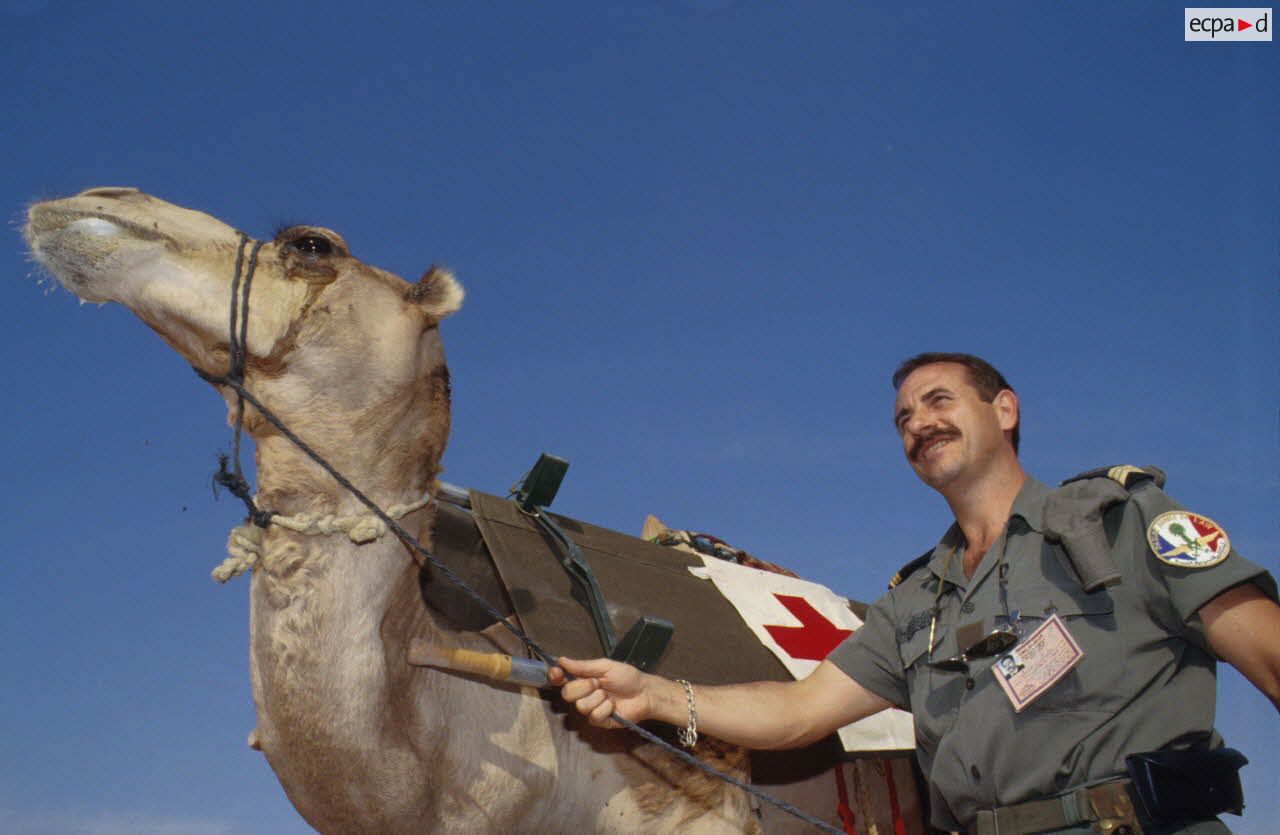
(78, 245)
(44, 223)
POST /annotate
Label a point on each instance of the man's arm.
(1243, 627)
(760, 715)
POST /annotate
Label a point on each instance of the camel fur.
(350, 358)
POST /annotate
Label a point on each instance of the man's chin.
(935, 477)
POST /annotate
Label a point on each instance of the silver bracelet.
(688, 736)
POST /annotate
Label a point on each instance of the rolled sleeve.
(870, 655)
(1180, 591)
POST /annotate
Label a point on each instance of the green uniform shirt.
(1147, 680)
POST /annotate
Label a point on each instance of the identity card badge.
(1037, 662)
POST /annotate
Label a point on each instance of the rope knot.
(244, 546)
(367, 529)
(234, 482)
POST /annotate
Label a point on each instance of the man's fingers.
(585, 669)
(587, 704)
(585, 691)
(579, 687)
(600, 716)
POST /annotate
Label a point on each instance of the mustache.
(946, 433)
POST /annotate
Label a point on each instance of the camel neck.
(291, 483)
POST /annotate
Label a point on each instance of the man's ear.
(1006, 406)
(437, 293)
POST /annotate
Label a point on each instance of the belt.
(1107, 806)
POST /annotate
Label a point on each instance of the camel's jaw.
(104, 242)
(171, 266)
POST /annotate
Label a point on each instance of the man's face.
(947, 430)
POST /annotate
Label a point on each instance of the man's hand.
(761, 714)
(603, 687)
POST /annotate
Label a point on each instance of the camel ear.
(438, 293)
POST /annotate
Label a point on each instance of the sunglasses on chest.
(980, 639)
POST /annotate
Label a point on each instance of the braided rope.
(244, 544)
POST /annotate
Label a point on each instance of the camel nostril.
(109, 191)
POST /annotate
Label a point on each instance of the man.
(1101, 603)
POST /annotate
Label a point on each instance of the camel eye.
(312, 245)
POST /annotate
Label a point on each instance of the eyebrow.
(928, 395)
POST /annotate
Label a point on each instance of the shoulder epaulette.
(909, 569)
(1126, 475)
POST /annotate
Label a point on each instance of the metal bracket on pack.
(644, 642)
(647, 639)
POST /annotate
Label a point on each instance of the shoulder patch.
(1126, 475)
(909, 569)
(1187, 540)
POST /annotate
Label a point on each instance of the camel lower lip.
(94, 226)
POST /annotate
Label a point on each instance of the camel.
(349, 356)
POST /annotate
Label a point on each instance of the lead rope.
(235, 482)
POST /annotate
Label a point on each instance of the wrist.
(670, 702)
(688, 735)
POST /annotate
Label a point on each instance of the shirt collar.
(1028, 506)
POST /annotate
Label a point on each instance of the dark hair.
(983, 376)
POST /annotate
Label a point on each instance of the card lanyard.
(1011, 620)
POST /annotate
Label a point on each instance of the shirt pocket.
(1090, 619)
(922, 682)
(914, 649)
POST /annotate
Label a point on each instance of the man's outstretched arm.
(1243, 627)
(760, 715)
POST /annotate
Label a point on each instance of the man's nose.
(918, 423)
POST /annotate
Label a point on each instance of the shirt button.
(968, 684)
(967, 607)
(976, 774)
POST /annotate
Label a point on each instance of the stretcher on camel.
(500, 549)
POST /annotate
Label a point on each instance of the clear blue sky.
(696, 237)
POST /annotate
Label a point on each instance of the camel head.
(340, 350)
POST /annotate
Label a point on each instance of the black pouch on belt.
(1186, 785)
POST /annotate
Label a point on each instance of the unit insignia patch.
(1187, 539)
